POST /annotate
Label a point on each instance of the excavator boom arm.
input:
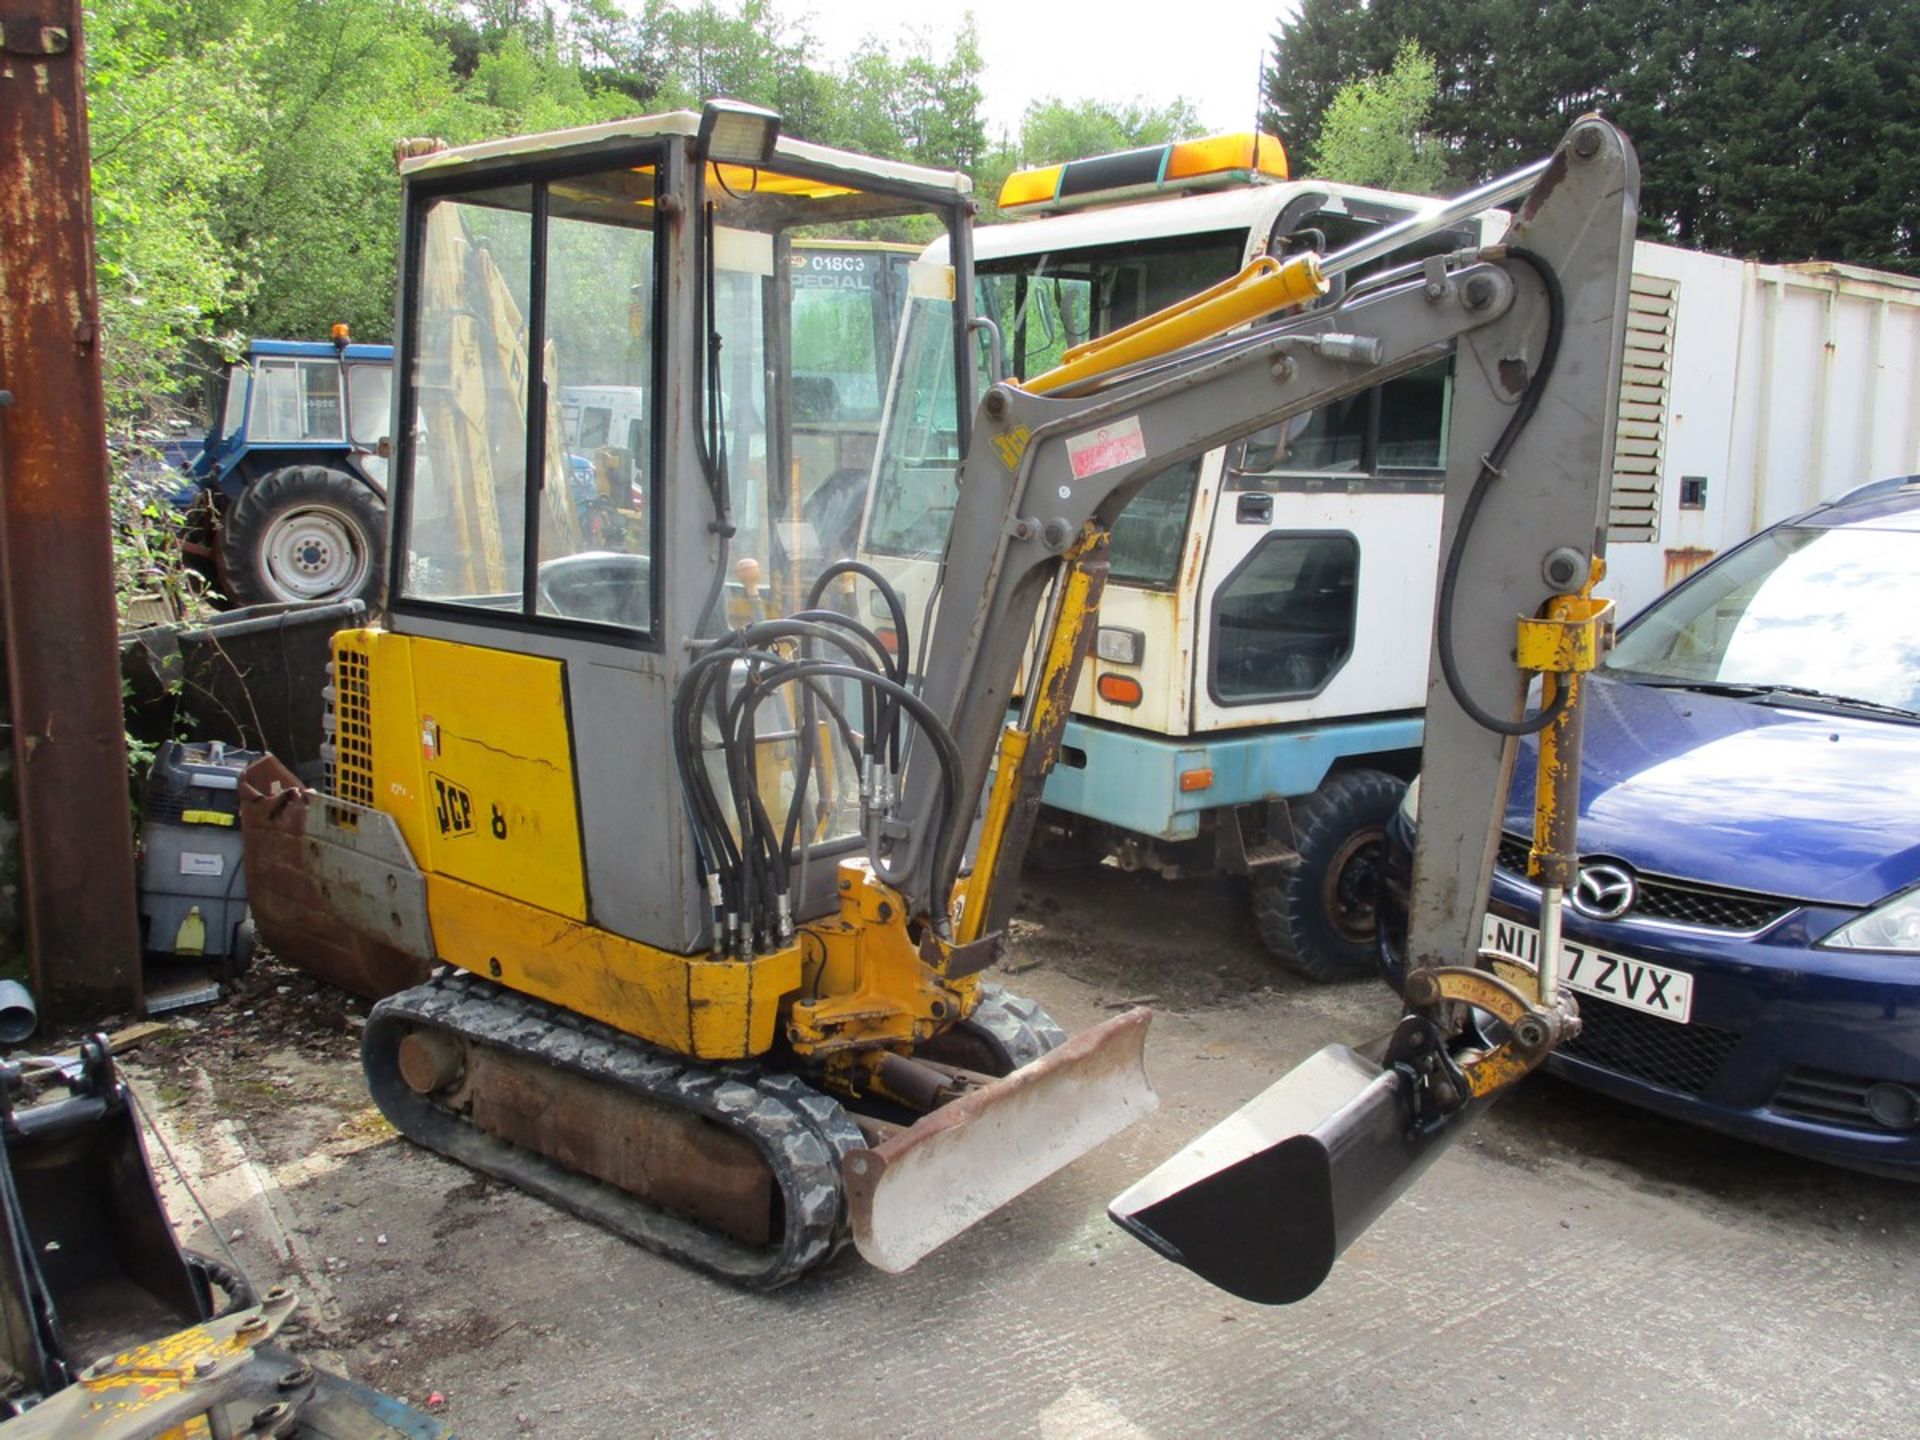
(1045, 473)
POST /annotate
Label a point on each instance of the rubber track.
(1021, 1030)
(802, 1134)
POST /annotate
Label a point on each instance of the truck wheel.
(305, 533)
(1319, 916)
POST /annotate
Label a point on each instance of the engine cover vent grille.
(350, 765)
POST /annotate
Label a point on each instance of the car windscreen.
(1832, 610)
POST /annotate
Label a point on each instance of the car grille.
(1677, 1057)
(1681, 903)
(1829, 1097)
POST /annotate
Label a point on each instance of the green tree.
(245, 149)
(1054, 130)
(916, 105)
(1778, 129)
(750, 53)
(169, 135)
(1375, 129)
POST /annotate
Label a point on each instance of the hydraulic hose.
(1491, 469)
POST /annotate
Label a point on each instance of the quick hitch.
(1446, 1076)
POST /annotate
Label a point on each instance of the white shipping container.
(1752, 392)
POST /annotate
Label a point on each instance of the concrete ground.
(1575, 1267)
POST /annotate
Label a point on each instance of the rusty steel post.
(56, 556)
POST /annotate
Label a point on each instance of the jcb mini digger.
(688, 859)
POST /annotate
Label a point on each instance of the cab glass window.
(1396, 430)
(296, 400)
(846, 305)
(596, 423)
(595, 543)
(369, 402)
(1148, 536)
(1045, 304)
(847, 296)
(235, 409)
(531, 447)
(466, 508)
(1283, 621)
(917, 474)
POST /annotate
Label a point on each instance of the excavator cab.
(654, 261)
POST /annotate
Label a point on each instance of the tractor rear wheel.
(305, 533)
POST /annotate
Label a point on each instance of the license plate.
(1650, 989)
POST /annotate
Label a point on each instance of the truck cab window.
(1398, 429)
(1066, 299)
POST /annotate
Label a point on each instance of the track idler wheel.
(430, 1062)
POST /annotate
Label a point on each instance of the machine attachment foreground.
(108, 1330)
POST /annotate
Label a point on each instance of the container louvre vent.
(1640, 433)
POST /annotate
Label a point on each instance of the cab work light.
(733, 132)
(1186, 165)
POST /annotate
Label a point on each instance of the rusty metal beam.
(56, 559)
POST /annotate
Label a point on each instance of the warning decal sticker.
(1106, 448)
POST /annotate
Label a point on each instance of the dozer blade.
(333, 888)
(1262, 1204)
(918, 1189)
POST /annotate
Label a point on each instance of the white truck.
(1253, 703)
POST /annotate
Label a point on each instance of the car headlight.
(1893, 926)
(1410, 803)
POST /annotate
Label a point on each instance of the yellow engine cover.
(470, 751)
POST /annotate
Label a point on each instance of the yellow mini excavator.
(682, 856)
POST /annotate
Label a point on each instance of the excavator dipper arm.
(1263, 1204)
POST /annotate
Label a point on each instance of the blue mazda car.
(1745, 935)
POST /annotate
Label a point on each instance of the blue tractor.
(290, 484)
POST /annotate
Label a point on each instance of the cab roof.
(319, 350)
(585, 140)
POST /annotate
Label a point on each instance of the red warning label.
(1106, 448)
